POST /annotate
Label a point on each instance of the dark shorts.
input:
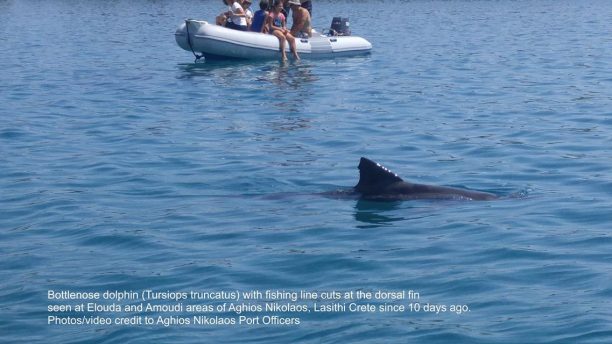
(231, 25)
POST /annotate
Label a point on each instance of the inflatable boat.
(217, 42)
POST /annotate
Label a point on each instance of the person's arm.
(265, 23)
(284, 25)
(269, 23)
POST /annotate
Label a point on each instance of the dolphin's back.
(378, 182)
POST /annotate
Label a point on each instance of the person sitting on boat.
(276, 23)
(307, 4)
(246, 6)
(237, 17)
(301, 20)
(259, 18)
(285, 10)
(222, 18)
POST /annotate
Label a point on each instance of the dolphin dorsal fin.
(374, 174)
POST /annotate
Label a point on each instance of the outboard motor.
(340, 27)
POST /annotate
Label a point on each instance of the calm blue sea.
(125, 166)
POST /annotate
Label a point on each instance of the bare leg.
(281, 43)
(292, 45)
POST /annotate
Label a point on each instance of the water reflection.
(289, 123)
(376, 214)
(285, 87)
(293, 75)
(219, 72)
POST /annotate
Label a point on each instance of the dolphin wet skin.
(376, 182)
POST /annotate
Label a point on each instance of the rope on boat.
(197, 57)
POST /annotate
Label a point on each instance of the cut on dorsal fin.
(373, 174)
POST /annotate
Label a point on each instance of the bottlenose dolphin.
(376, 182)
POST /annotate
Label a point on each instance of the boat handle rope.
(197, 57)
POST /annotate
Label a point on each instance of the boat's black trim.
(197, 57)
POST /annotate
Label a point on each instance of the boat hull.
(214, 41)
